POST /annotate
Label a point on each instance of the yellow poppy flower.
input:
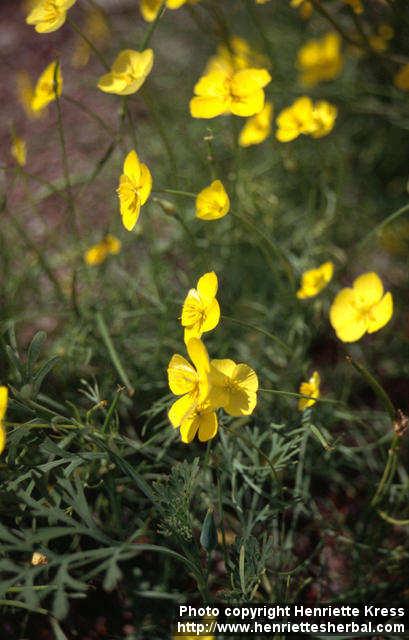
(257, 128)
(295, 120)
(49, 15)
(304, 117)
(362, 308)
(323, 119)
(19, 150)
(25, 92)
(320, 60)
(233, 387)
(3, 408)
(310, 389)
(212, 202)
(128, 73)
(305, 8)
(201, 311)
(189, 382)
(44, 91)
(315, 280)
(98, 253)
(96, 29)
(223, 91)
(135, 185)
(150, 8)
(237, 55)
(401, 79)
(201, 420)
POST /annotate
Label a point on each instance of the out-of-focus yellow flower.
(128, 73)
(135, 185)
(315, 280)
(201, 311)
(262, 1)
(320, 60)
(235, 56)
(220, 92)
(192, 384)
(310, 389)
(362, 308)
(19, 150)
(98, 253)
(380, 40)
(324, 116)
(25, 92)
(150, 8)
(4, 395)
(96, 29)
(305, 7)
(257, 128)
(233, 387)
(356, 5)
(401, 79)
(49, 15)
(44, 91)
(303, 117)
(38, 558)
(212, 202)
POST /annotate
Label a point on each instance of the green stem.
(176, 192)
(113, 354)
(388, 471)
(90, 113)
(391, 218)
(152, 27)
(89, 43)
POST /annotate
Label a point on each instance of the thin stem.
(90, 113)
(152, 27)
(387, 472)
(391, 218)
(103, 329)
(259, 330)
(176, 192)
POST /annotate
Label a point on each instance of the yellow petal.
(4, 394)
(212, 316)
(207, 286)
(368, 289)
(212, 202)
(245, 377)
(248, 105)
(109, 83)
(2, 437)
(132, 167)
(204, 107)
(145, 183)
(249, 81)
(181, 408)
(380, 313)
(207, 426)
(348, 321)
(181, 376)
(189, 427)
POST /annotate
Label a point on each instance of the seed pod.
(208, 536)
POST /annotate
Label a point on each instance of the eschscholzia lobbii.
(212, 202)
(320, 60)
(98, 253)
(305, 117)
(135, 185)
(18, 150)
(206, 387)
(362, 308)
(49, 85)
(49, 15)
(315, 280)
(150, 8)
(311, 389)
(201, 311)
(128, 72)
(257, 128)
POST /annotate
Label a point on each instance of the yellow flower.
(310, 389)
(96, 254)
(257, 128)
(96, 29)
(3, 408)
(150, 8)
(200, 420)
(401, 79)
(192, 384)
(224, 91)
(304, 6)
(128, 73)
(235, 56)
(380, 40)
(25, 92)
(233, 387)
(44, 91)
(356, 5)
(324, 116)
(362, 308)
(19, 150)
(320, 60)
(212, 202)
(201, 311)
(303, 117)
(49, 15)
(135, 185)
(315, 280)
